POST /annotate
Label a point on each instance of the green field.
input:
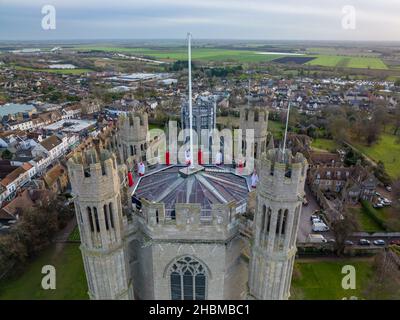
(202, 54)
(387, 150)
(216, 54)
(324, 144)
(70, 277)
(348, 62)
(60, 71)
(321, 280)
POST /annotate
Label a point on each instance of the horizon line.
(201, 39)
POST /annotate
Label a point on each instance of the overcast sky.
(227, 19)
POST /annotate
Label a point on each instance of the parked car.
(348, 243)
(316, 220)
(389, 188)
(316, 238)
(320, 227)
(396, 242)
(364, 242)
(386, 201)
(314, 216)
(378, 205)
(305, 201)
(379, 242)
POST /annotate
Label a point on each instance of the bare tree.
(342, 229)
(385, 282)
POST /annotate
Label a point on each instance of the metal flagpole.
(189, 35)
(286, 129)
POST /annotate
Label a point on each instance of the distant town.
(70, 111)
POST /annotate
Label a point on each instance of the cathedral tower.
(96, 185)
(279, 198)
(255, 118)
(133, 130)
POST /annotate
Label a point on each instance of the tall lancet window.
(188, 280)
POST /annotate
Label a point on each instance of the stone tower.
(279, 199)
(133, 130)
(96, 185)
(255, 118)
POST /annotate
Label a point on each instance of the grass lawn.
(387, 150)
(324, 144)
(74, 236)
(156, 126)
(70, 277)
(391, 216)
(276, 128)
(364, 221)
(321, 280)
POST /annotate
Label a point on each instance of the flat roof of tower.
(213, 185)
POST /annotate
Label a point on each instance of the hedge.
(372, 213)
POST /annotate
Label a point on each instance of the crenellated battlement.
(282, 174)
(134, 125)
(132, 136)
(94, 173)
(188, 221)
(254, 118)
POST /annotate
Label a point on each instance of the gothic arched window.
(96, 219)
(106, 216)
(90, 218)
(111, 214)
(188, 280)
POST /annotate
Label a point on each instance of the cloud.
(253, 19)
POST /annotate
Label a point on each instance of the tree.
(396, 192)
(371, 131)
(6, 155)
(385, 281)
(13, 254)
(381, 174)
(351, 157)
(342, 228)
(396, 118)
(37, 227)
(338, 127)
